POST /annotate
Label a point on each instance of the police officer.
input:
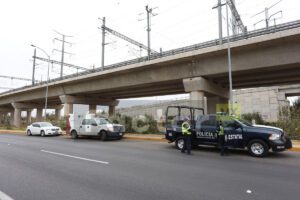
(221, 137)
(186, 132)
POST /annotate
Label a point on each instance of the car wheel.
(43, 133)
(103, 135)
(74, 135)
(258, 148)
(179, 143)
(29, 133)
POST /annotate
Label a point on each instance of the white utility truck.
(90, 125)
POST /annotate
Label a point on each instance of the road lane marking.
(76, 157)
(4, 196)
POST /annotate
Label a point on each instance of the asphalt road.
(35, 168)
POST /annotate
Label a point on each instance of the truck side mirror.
(94, 124)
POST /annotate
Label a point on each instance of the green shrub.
(253, 116)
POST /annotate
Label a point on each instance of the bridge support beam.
(204, 93)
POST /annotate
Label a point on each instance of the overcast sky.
(178, 23)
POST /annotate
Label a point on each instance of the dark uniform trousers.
(222, 144)
(187, 143)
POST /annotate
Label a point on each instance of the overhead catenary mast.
(63, 52)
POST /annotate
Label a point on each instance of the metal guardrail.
(250, 34)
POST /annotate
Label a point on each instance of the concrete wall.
(266, 100)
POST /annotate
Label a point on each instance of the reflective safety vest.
(221, 131)
(185, 128)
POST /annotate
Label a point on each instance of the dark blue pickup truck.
(239, 134)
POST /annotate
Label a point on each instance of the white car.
(43, 129)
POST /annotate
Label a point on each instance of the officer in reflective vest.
(221, 137)
(186, 132)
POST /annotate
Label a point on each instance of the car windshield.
(45, 124)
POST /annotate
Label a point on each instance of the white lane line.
(76, 157)
(4, 196)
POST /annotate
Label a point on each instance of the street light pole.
(229, 63)
(46, 95)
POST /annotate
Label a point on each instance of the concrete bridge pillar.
(111, 110)
(92, 108)
(57, 114)
(198, 100)
(2, 117)
(68, 109)
(11, 116)
(39, 114)
(28, 117)
(202, 93)
(17, 117)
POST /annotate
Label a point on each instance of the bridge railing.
(242, 36)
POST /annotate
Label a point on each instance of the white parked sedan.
(43, 129)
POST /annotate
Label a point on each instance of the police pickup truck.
(239, 134)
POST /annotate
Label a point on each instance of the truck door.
(233, 134)
(206, 127)
(94, 127)
(85, 127)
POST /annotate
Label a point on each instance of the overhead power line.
(57, 62)
(5, 88)
(132, 41)
(16, 78)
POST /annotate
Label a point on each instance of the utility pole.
(219, 6)
(33, 67)
(103, 42)
(229, 63)
(267, 17)
(149, 14)
(63, 52)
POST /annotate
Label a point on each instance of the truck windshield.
(244, 122)
(103, 121)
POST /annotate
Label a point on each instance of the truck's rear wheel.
(74, 135)
(179, 143)
(258, 148)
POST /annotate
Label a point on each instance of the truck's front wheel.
(103, 135)
(179, 143)
(258, 148)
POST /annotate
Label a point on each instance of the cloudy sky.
(177, 23)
